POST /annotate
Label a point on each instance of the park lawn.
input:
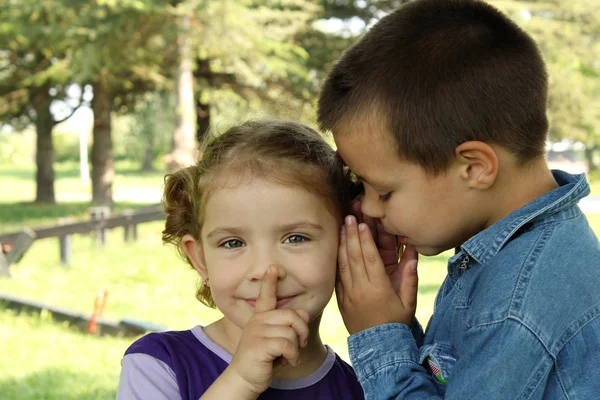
(46, 360)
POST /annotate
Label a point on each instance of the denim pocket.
(439, 358)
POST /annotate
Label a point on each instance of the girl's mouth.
(281, 301)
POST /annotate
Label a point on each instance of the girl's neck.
(227, 335)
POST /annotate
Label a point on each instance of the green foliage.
(568, 35)
(16, 147)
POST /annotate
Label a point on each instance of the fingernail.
(362, 227)
(349, 220)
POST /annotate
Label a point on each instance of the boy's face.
(251, 225)
(433, 214)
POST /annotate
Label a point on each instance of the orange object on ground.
(99, 306)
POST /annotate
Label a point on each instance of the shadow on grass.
(14, 216)
(55, 384)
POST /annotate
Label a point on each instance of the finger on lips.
(267, 297)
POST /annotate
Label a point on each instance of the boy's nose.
(371, 206)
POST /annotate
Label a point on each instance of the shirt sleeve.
(146, 377)
(504, 360)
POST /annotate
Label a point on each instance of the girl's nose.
(261, 261)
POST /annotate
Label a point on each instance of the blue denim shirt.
(517, 317)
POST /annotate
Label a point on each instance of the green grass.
(42, 359)
(595, 187)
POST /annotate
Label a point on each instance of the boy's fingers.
(267, 298)
(409, 283)
(339, 293)
(360, 217)
(344, 273)
(386, 240)
(356, 210)
(373, 263)
(372, 224)
(354, 252)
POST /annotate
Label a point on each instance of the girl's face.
(254, 224)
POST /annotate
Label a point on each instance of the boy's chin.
(429, 251)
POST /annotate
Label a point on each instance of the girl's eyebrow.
(221, 231)
(224, 230)
(301, 225)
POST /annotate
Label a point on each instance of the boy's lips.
(281, 301)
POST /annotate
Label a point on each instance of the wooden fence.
(16, 244)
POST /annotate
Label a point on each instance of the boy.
(440, 110)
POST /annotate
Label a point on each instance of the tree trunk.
(44, 155)
(202, 119)
(148, 155)
(103, 168)
(202, 109)
(184, 139)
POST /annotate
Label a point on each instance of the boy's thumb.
(409, 285)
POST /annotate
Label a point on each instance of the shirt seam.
(403, 361)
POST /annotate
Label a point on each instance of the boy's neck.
(227, 335)
(517, 186)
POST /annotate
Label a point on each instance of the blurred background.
(100, 98)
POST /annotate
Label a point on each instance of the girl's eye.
(385, 197)
(295, 239)
(233, 244)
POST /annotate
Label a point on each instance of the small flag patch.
(436, 371)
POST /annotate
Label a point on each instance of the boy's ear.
(478, 163)
(194, 251)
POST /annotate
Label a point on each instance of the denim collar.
(487, 243)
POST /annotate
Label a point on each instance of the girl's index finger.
(267, 298)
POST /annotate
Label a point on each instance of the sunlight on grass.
(46, 360)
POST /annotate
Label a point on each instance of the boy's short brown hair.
(438, 73)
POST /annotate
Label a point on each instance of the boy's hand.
(365, 291)
(387, 243)
(270, 340)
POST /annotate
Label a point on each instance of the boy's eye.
(233, 244)
(385, 197)
(295, 239)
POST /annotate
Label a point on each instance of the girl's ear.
(194, 252)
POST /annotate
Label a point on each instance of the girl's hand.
(365, 292)
(271, 338)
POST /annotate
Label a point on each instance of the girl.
(259, 219)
